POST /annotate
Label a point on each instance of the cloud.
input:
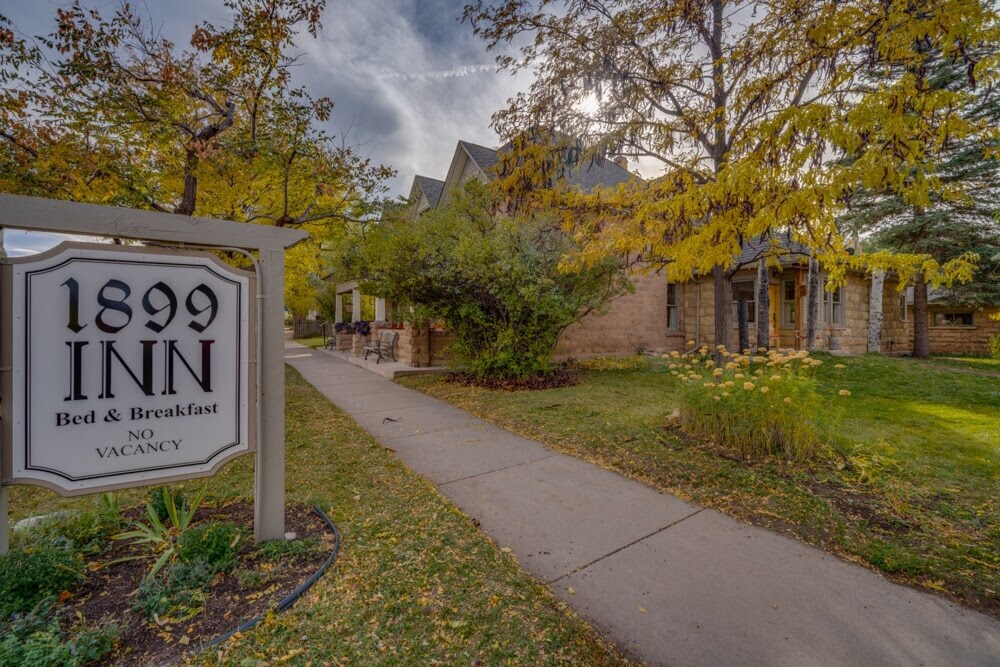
(408, 78)
(464, 70)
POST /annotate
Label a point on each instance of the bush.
(85, 530)
(499, 282)
(214, 542)
(158, 498)
(30, 575)
(994, 345)
(755, 404)
(178, 592)
(285, 550)
(36, 639)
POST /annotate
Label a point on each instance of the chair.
(384, 345)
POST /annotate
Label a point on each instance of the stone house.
(662, 316)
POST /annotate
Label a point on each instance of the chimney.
(621, 161)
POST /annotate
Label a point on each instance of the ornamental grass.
(759, 404)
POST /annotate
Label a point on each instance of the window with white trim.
(902, 307)
(745, 289)
(673, 308)
(833, 306)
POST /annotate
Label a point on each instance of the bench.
(383, 346)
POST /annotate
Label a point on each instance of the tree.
(741, 102)
(493, 278)
(106, 110)
(954, 220)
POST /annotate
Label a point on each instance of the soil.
(559, 378)
(108, 592)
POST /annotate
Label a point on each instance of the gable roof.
(588, 175)
(753, 249)
(485, 158)
(431, 187)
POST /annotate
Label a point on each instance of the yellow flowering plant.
(776, 411)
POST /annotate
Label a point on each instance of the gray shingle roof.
(588, 175)
(431, 187)
(485, 158)
(754, 249)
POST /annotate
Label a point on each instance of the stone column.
(379, 310)
(355, 305)
(339, 309)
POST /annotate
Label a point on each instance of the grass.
(415, 583)
(909, 483)
(311, 341)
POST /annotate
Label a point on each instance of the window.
(788, 303)
(744, 290)
(673, 308)
(953, 319)
(902, 307)
(833, 307)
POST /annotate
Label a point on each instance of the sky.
(407, 77)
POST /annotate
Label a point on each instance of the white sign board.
(129, 366)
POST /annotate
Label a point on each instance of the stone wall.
(631, 322)
(950, 339)
(439, 342)
(413, 345)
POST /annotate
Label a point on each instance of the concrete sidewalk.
(668, 582)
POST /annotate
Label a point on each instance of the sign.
(128, 366)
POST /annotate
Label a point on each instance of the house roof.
(431, 187)
(588, 175)
(485, 158)
(754, 249)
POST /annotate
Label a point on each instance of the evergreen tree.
(962, 217)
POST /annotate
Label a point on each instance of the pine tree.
(962, 217)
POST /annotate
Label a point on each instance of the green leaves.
(162, 538)
(495, 279)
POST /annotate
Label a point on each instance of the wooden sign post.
(128, 366)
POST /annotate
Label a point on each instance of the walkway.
(669, 582)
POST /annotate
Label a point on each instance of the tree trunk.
(723, 295)
(812, 304)
(921, 343)
(763, 307)
(875, 311)
(743, 317)
(189, 198)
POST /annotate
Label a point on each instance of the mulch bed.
(109, 592)
(562, 377)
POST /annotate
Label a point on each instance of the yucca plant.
(161, 538)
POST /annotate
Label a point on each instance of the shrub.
(994, 345)
(84, 530)
(178, 593)
(500, 282)
(159, 497)
(214, 542)
(36, 639)
(756, 404)
(284, 550)
(30, 575)
(161, 538)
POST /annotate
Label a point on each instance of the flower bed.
(756, 404)
(132, 601)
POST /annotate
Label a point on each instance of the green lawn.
(416, 582)
(910, 484)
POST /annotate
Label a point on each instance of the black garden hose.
(292, 597)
